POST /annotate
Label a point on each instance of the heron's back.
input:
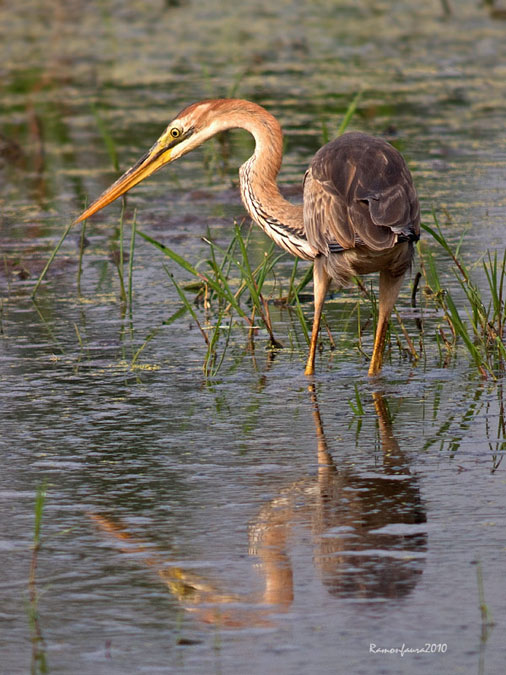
(359, 204)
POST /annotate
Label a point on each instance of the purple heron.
(360, 212)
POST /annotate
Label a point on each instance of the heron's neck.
(280, 219)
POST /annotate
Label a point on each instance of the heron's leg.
(389, 287)
(321, 282)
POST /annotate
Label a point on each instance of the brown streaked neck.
(262, 168)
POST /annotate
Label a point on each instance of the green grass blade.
(174, 317)
(189, 268)
(267, 264)
(246, 271)
(40, 499)
(357, 407)
(187, 304)
(120, 264)
(463, 333)
(292, 280)
(435, 235)
(82, 239)
(349, 113)
(51, 258)
(131, 262)
(227, 340)
(222, 288)
(302, 318)
(304, 281)
(171, 254)
(211, 349)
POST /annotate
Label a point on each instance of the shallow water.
(246, 523)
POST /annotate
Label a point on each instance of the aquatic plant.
(480, 324)
(39, 661)
(240, 295)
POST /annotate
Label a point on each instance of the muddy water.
(246, 523)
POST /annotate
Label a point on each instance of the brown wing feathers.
(358, 191)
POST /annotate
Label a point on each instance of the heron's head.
(192, 127)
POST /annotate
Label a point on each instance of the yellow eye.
(175, 132)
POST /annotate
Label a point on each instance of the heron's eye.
(175, 132)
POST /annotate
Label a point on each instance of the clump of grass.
(483, 327)
(230, 289)
(232, 285)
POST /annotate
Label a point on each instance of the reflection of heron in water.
(360, 213)
(366, 530)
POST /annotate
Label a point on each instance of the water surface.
(246, 523)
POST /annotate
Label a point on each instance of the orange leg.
(388, 291)
(321, 282)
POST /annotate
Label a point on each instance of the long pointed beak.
(153, 160)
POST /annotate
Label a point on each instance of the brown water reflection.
(367, 536)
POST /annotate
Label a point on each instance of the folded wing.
(358, 191)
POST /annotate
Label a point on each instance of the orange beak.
(159, 155)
